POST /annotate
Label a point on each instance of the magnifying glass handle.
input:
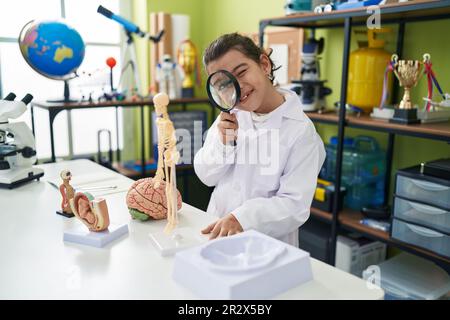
(233, 143)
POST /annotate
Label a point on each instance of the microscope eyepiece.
(10, 97)
(27, 99)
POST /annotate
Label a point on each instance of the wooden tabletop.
(438, 129)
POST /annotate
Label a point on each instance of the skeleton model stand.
(168, 157)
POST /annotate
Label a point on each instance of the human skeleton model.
(169, 75)
(67, 192)
(168, 157)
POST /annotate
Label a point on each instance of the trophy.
(408, 73)
(187, 59)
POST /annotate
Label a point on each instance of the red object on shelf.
(111, 62)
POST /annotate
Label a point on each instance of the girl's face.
(252, 77)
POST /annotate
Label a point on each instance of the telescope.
(129, 26)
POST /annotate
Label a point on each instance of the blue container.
(363, 170)
(294, 6)
(329, 167)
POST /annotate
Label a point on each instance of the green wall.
(211, 18)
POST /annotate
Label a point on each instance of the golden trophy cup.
(187, 59)
(408, 73)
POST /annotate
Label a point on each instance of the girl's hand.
(223, 227)
(228, 126)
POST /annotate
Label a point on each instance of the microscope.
(312, 90)
(17, 145)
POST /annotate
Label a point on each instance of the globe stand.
(66, 94)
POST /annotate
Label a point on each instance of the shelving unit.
(133, 174)
(399, 13)
(183, 170)
(55, 108)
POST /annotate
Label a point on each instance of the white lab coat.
(272, 195)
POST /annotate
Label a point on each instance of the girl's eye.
(241, 73)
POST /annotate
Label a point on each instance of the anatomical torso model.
(67, 193)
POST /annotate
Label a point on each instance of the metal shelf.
(322, 215)
(399, 13)
(390, 13)
(435, 131)
(350, 220)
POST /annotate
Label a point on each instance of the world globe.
(52, 48)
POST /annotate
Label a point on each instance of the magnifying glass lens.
(223, 89)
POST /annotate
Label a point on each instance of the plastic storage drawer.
(420, 190)
(422, 214)
(421, 237)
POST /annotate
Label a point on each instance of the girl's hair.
(243, 44)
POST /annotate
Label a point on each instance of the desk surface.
(37, 264)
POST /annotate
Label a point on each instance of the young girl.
(268, 191)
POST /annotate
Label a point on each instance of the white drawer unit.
(425, 215)
(421, 237)
(425, 191)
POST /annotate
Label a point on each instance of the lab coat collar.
(290, 108)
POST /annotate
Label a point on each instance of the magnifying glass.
(223, 91)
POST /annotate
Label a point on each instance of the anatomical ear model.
(92, 212)
(154, 197)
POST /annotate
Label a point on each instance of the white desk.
(35, 263)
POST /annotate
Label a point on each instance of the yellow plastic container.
(366, 73)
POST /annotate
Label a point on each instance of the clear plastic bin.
(363, 170)
(425, 215)
(425, 191)
(409, 277)
(421, 237)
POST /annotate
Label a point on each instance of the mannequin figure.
(169, 75)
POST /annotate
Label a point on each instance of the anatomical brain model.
(158, 197)
(91, 211)
(145, 201)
